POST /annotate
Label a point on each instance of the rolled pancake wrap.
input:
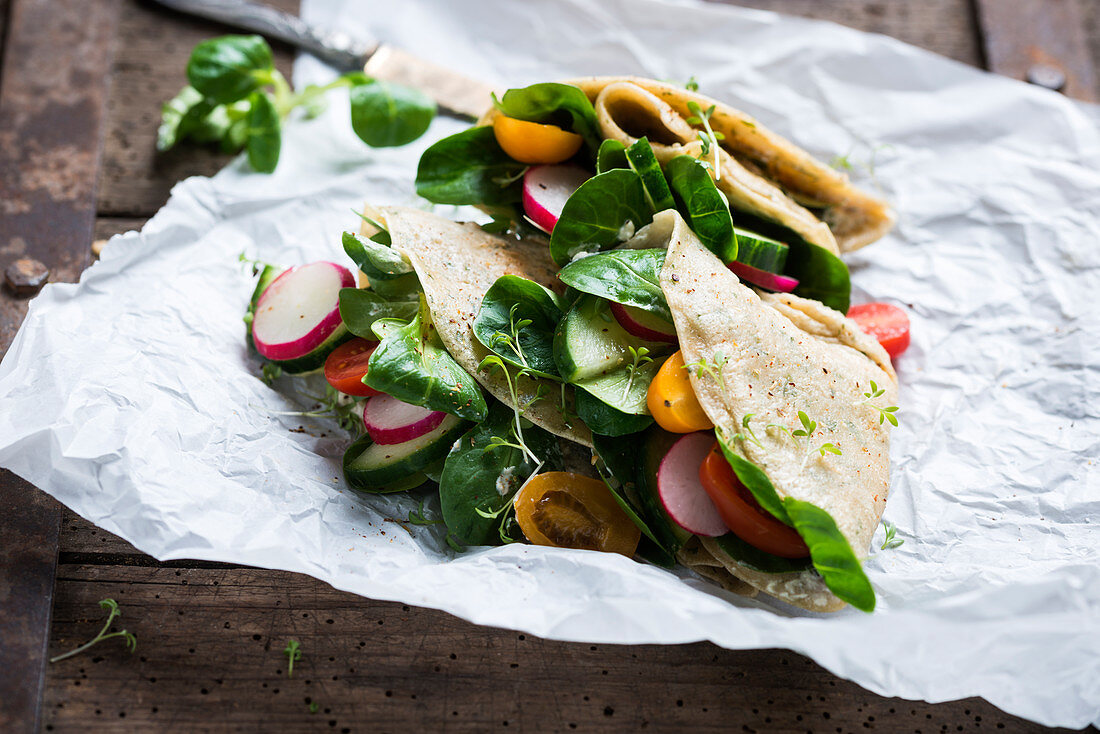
(457, 264)
(784, 354)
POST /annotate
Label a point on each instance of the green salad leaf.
(612, 154)
(629, 277)
(375, 259)
(703, 206)
(411, 364)
(264, 133)
(469, 167)
(555, 104)
(517, 321)
(360, 308)
(229, 68)
(481, 475)
(605, 420)
(606, 210)
(386, 115)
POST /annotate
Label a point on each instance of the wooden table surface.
(81, 85)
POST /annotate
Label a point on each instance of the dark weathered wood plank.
(1020, 36)
(52, 96)
(151, 52)
(210, 658)
(944, 26)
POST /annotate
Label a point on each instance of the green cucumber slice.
(590, 342)
(760, 252)
(315, 360)
(641, 159)
(371, 467)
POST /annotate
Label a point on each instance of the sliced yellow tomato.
(672, 401)
(530, 142)
(567, 510)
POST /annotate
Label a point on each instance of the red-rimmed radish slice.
(884, 321)
(684, 498)
(764, 279)
(545, 191)
(299, 310)
(390, 421)
(643, 324)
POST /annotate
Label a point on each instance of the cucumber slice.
(641, 159)
(267, 275)
(371, 467)
(591, 343)
(760, 252)
(315, 359)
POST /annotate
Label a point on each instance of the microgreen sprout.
(417, 516)
(270, 372)
(747, 434)
(511, 338)
(891, 541)
(293, 654)
(455, 544)
(692, 84)
(491, 363)
(506, 181)
(111, 607)
(313, 707)
(639, 357)
(707, 137)
(884, 414)
(712, 369)
(334, 404)
(809, 427)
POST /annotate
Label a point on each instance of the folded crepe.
(761, 173)
(457, 264)
(779, 354)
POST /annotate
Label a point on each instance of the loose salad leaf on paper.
(412, 365)
(605, 211)
(517, 321)
(484, 470)
(264, 133)
(386, 115)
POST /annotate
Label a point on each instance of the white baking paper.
(131, 398)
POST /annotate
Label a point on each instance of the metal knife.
(456, 95)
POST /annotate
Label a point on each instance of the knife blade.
(457, 95)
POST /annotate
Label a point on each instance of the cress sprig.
(111, 607)
(884, 414)
(707, 137)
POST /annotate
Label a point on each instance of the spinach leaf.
(387, 115)
(606, 420)
(517, 321)
(617, 461)
(469, 167)
(360, 308)
(556, 104)
(703, 206)
(821, 275)
(831, 554)
(477, 477)
(630, 277)
(225, 69)
(830, 551)
(411, 364)
(644, 163)
(612, 154)
(604, 211)
(376, 260)
(179, 114)
(759, 560)
(264, 133)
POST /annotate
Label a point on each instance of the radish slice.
(764, 279)
(299, 310)
(390, 421)
(545, 191)
(682, 494)
(643, 324)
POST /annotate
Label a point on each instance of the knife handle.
(339, 49)
(457, 95)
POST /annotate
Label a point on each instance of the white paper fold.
(131, 398)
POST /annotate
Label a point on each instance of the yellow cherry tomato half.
(567, 510)
(672, 401)
(530, 142)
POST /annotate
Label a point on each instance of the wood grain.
(1018, 34)
(210, 658)
(52, 97)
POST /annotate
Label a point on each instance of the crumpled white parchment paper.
(131, 398)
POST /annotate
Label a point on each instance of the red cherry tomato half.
(887, 323)
(347, 365)
(741, 512)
